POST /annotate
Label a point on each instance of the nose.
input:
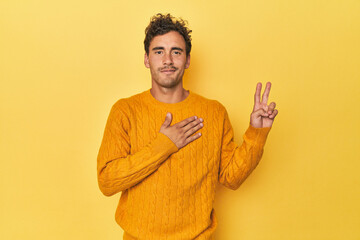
(167, 60)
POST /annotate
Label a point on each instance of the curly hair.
(161, 24)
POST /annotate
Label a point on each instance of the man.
(167, 170)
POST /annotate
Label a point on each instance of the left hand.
(263, 115)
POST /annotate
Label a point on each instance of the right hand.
(181, 133)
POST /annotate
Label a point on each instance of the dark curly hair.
(161, 24)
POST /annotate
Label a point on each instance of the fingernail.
(201, 120)
(199, 134)
(201, 124)
(195, 117)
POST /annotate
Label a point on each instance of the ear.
(146, 60)
(187, 63)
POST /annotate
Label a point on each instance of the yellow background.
(64, 63)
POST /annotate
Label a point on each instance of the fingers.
(192, 138)
(197, 122)
(257, 93)
(193, 127)
(168, 120)
(266, 111)
(260, 113)
(186, 121)
(265, 95)
(271, 108)
(273, 115)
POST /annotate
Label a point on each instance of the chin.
(168, 83)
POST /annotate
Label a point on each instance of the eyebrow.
(162, 48)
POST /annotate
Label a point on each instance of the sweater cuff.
(163, 143)
(257, 135)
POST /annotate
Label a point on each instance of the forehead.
(170, 39)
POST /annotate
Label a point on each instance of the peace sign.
(263, 115)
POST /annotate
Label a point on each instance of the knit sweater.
(166, 192)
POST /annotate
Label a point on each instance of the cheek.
(180, 62)
(155, 61)
(153, 64)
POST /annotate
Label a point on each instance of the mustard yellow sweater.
(168, 193)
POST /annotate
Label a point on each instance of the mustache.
(168, 68)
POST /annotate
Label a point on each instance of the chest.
(203, 154)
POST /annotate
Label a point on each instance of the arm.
(117, 169)
(237, 162)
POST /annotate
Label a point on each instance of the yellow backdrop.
(64, 63)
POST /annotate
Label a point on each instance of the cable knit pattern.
(168, 193)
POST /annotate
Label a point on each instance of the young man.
(167, 170)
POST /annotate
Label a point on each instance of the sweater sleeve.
(237, 162)
(117, 169)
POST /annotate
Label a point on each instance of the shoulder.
(126, 104)
(122, 111)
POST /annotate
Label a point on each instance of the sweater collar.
(157, 104)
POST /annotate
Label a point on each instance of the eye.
(177, 52)
(158, 52)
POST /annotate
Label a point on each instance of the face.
(167, 59)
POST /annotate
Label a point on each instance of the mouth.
(168, 70)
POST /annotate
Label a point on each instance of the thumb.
(260, 113)
(168, 120)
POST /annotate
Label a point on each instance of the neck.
(169, 95)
